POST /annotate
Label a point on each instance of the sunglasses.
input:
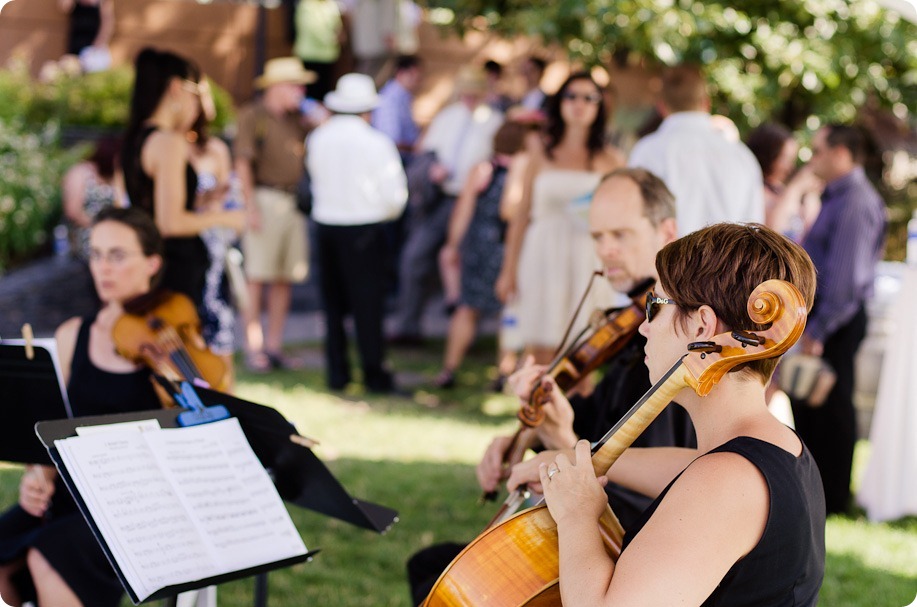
(593, 98)
(653, 304)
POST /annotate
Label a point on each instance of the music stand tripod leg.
(261, 590)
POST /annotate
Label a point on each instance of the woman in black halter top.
(46, 549)
(165, 104)
(738, 521)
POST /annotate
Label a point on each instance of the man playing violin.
(743, 521)
(47, 550)
(631, 217)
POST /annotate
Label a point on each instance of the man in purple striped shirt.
(845, 243)
(394, 115)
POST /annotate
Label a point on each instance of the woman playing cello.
(742, 523)
(46, 549)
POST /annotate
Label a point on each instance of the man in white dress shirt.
(713, 177)
(358, 185)
(461, 135)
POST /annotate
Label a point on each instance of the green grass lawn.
(418, 455)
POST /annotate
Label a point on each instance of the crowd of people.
(509, 205)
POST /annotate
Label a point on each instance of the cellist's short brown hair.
(720, 265)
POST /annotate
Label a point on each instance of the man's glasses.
(114, 256)
(653, 303)
(593, 98)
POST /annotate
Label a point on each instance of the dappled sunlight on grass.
(381, 428)
(876, 546)
(498, 405)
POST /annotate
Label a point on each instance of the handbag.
(806, 378)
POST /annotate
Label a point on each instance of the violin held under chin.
(161, 330)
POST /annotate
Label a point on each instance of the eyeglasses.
(115, 257)
(652, 305)
(592, 98)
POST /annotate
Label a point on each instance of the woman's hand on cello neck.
(571, 488)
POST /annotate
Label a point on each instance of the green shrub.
(31, 167)
(33, 116)
(99, 100)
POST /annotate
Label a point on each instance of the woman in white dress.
(549, 258)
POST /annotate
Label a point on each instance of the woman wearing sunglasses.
(738, 521)
(545, 202)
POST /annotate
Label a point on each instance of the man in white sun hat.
(358, 185)
(269, 156)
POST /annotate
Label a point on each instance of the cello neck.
(641, 415)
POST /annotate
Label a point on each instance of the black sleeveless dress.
(186, 257)
(62, 536)
(787, 565)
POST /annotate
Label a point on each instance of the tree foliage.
(767, 59)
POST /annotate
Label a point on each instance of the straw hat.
(470, 81)
(354, 94)
(284, 70)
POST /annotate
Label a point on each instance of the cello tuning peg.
(747, 338)
(705, 347)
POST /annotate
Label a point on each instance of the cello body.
(512, 564)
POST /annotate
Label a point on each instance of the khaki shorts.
(278, 252)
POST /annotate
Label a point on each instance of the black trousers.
(830, 430)
(352, 265)
(425, 566)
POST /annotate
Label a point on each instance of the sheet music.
(179, 505)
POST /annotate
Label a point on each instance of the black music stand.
(299, 476)
(32, 390)
(50, 431)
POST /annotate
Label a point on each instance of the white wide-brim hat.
(354, 94)
(284, 70)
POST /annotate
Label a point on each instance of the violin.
(516, 563)
(161, 330)
(610, 333)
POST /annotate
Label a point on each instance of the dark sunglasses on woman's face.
(653, 303)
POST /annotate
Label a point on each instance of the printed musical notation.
(179, 505)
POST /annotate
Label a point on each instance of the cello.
(516, 563)
(161, 330)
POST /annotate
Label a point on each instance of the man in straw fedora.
(358, 186)
(269, 151)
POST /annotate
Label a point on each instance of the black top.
(627, 379)
(186, 258)
(85, 21)
(787, 565)
(94, 391)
